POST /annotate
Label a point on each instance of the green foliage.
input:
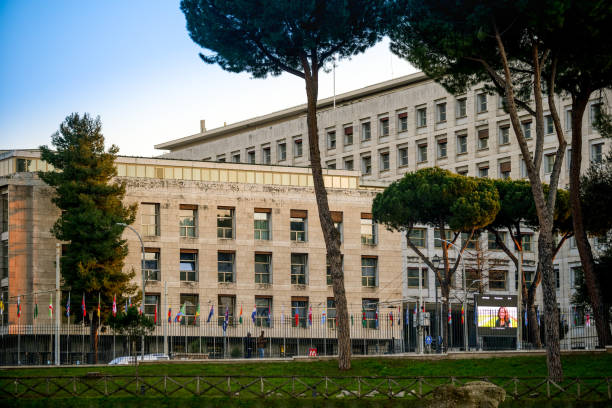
(268, 37)
(132, 324)
(596, 195)
(91, 205)
(436, 197)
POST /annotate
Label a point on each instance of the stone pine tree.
(91, 206)
(517, 211)
(298, 37)
(461, 44)
(445, 201)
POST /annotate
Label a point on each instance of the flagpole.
(165, 324)
(58, 317)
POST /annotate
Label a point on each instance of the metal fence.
(386, 333)
(251, 387)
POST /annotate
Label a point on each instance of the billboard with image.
(496, 315)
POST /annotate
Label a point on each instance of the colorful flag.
(83, 308)
(130, 301)
(1, 304)
(182, 312)
(391, 318)
(323, 317)
(226, 319)
(376, 316)
(240, 317)
(297, 319)
(211, 313)
(35, 307)
(450, 317)
(114, 305)
(310, 316)
(363, 317)
(352, 321)
(51, 306)
(126, 306)
(269, 317)
(462, 315)
(170, 315)
(155, 316)
(399, 315)
(407, 317)
(197, 312)
(67, 307)
(538, 312)
(98, 305)
(18, 307)
(254, 314)
(588, 320)
(526, 319)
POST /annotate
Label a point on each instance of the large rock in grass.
(477, 394)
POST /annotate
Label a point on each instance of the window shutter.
(262, 210)
(348, 130)
(484, 166)
(147, 249)
(422, 144)
(505, 167)
(440, 141)
(403, 115)
(366, 216)
(189, 251)
(483, 133)
(306, 268)
(188, 207)
(384, 119)
(299, 213)
(336, 216)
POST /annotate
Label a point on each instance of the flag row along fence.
(219, 338)
(294, 387)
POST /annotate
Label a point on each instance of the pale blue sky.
(133, 63)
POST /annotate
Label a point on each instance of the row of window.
(418, 236)
(227, 311)
(262, 223)
(226, 267)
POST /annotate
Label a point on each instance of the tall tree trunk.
(445, 291)
(532, 317)
(604, 336)
(330, 234)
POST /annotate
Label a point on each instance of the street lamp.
(436, 262)
(142, 268)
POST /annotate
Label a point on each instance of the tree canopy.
(91, 206)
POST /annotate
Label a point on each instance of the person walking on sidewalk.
(261, 344)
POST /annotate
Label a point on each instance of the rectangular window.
(504, 135)
(331, 164)
(297, 148)
(483, 139)
(461, 144)
(188, 215)
(331, 313)
(557, 277)
(151, 305)
(442, 148)
(366, 165)
(471, 276)
(549, 163)
(523, 168)
(281, 152)
(413, 278)
(299, 308)
(497, 280)
(384, 127)
(298, 225)
(576, 278)
(348, 163)
(421, 117)
(594, 112)
(227, 304)
(331, 139)
(384, 161)
(4, 270)
(504, 170)
(261, 224)
(299, 269)
(368, 229)
(418, 237)
(370, 313)
(226, 266)
(348, 135)
(337, 218)
(266, 155)
(441, 112)
(527, 242)
(225, 222)
(263, 268)
(369, 271)
(597, 153)
(151, 264)
(473, 243)
(481, 102)
(251, 156)
(402, 158)
(263, 311)
(4, 209)
(461, 111)
(422, 152)
(221, 158)
(150, 219)
(493, 242)
(189, 302)
(550, 125)
(526, 129)
(483, 170)
(449, 237)
(402, 122)
(235, 157)
(188, 265)
(366, 131)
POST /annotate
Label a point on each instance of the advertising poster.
(496, 315)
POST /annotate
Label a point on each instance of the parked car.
(125, 360)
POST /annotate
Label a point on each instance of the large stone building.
(402, 125)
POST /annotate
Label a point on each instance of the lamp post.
(142, 261)
(465, 333)
(436, 261)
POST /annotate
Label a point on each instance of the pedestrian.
(261, 344)
(248, 345)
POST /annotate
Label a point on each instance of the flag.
(323, 317)
(170, 315)
(197, 312)
(269, 317)
(177, 318)
(391, 318)
(310, 316)
(297, 319)
(376, 316)
(155, 316)
(36, 307)
(126, 306)
(526, 319)
(253, 314)
(130, 301)
(240, 317)
(114, 305)
(399, 315)
(363, 317)
(98, 305)
(408, 316)
(538, 316)
(67, 307)
(210, 314)
(183, 312)
(352, 321)
(450, 317)
(18, 307)
(2, 304)
(226, 319)
(83, 308)
(50, 306)
(462, 315)
(588, 320)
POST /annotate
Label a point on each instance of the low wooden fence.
(252, 387)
